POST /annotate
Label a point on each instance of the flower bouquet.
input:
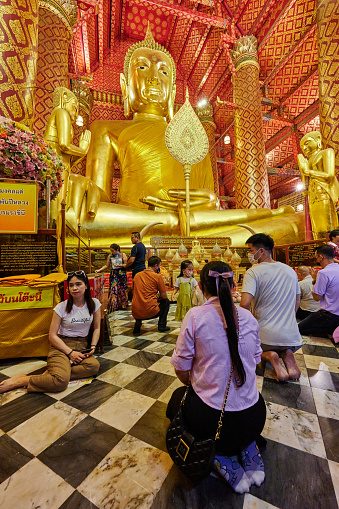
(25, 155)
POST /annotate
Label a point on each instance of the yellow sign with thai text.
(24, 297)
(18, 207)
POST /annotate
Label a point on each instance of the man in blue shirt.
(326, 292)
(136, 261)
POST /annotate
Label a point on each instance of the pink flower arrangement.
(25, 155)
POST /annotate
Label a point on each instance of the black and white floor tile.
(102, 444)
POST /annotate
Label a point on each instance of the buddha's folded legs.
(119, 220)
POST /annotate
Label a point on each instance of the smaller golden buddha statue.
(317, 167)
(59, 134)
(197, 254)
(196, 248)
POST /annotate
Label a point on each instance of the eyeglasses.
(76, 273)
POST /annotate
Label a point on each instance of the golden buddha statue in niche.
(149, 173)
(317, 167)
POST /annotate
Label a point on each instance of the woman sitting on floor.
(68, 333)
(208, 346)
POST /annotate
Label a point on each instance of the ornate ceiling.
(192, 30)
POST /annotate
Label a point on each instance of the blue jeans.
(322, 323)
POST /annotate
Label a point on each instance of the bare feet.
(280, 371)
(291, 364)
(14, 383)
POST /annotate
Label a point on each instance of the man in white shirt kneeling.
(307, 304)
(271, 289)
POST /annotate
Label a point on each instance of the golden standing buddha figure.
(148, 171)
(317, 167)
(59, 133)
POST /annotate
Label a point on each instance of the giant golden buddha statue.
(317, 167)
(149, 173)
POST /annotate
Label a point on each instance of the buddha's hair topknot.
(149, 43)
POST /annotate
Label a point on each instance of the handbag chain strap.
(217, 435)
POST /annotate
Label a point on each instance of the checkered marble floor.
(102, 444)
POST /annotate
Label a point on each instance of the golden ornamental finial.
(185, 137)
(186, 141)
(149, 35)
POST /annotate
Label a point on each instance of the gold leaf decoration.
(185, 137)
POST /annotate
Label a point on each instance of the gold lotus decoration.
(244, 51)
(186, 141)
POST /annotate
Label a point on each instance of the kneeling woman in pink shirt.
(213, 338)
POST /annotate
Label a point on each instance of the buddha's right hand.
(83, 194)
(203, 199)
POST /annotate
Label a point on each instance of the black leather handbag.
(194, 457)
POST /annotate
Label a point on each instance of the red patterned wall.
(136, 19)
(91, 34)
(18, 59)
(106, 112)
(52, 65)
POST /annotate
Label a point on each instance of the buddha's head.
(65, 99)
(148, 82)
(310, 143)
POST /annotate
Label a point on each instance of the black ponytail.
(209, 285)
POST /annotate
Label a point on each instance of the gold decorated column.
(328, 68)
(205, 113)
(18, 58)
(56, 19)
(251, 179)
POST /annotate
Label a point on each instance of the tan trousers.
(61, 371)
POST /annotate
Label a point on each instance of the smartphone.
(88, 350)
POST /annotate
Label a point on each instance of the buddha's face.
(309, 146)
(72, 108)
(150, 82)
